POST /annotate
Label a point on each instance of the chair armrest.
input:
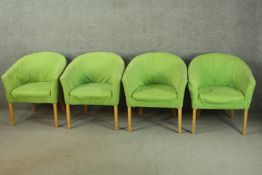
(179, 81)
(131, 81)
(13, 78)
(71, 78)
(55, 81)
(245, 82)
(116, 81)
(194, 82)
(180, 89)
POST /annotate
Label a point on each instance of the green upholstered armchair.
(93, 79)
(34, 79)
(155, 79)
(220, 81)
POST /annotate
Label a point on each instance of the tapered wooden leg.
(198, 113)
(140, 111)
(194, 122)
(85, 109)
(174, 112)
(11, 114)
(129, 116)
(34, 107)
(116, 117)
(55, 115)
(244, 131)
(68, 116)
(179, 120)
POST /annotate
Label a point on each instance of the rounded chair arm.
(131, 81)
(245, 82)
(194, 82)
(179, 81)
(71, 78)
(116, 81)
(13, 78)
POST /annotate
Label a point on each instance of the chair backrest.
(156, 67)
(215, 69)
(97, 67)
(40, 66)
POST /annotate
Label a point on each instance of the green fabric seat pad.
(220, 95)
(155, 92)
(92, 90)
(31, 90)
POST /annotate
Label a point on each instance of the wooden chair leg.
(140, 111)
(244, 131)
(129, 116)
(11, 114)
(85, 109)
(55, 115)
(179, 120)
(174, 112)
(198, 113)
(34, 107)
(194, 122)
(68, 116)
(116, 117)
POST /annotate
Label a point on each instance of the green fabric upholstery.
(220, 81)
(155, 92)
(220, 95)
(92, 90)
(155, 79)
(34, 78)
(93, 79)
(32, 90)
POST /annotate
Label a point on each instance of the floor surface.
(92, 147)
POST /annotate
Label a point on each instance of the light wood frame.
(68, 115)
(34, 109)
(245, 119)
(129, 118)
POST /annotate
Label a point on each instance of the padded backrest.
(40, 66)
(97, 67)
(156, 67)
(215, 69)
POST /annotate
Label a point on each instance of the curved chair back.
(156, 68)
(96, 67)
(39, 66)
(216, 69)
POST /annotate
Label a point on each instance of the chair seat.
(155, 92)
(220, 95)
(29, 90)
(92, 90)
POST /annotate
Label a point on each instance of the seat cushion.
(92, 90)
(220, 94)
(29, 90)
(155, 92)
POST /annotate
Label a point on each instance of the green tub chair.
(34, 79)
(220, 81)
(93, 79)
(155, 79)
